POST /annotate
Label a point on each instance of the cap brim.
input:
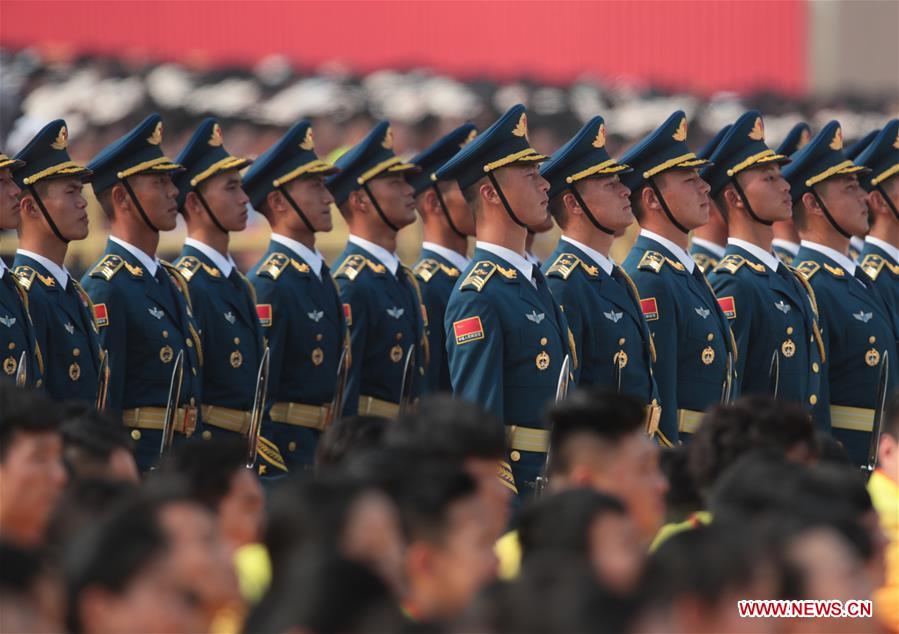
(228, 164)
(11, 164)
(317, 167)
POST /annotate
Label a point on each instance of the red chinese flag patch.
(467, 330)
(729, 307)
(348, 314)
(264, 312)
(650, 308)
(100, 315)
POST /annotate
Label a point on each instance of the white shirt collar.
(717, 249)
(385, 257)
(891, 250)
(787, 245)
(59, 272)
(312, 258)
(682, 256)
(598, 258)
(833, 254)
(768, 259)
(224, 263)
(533, 259)
(151, 263)
(457, 260)
(515, 259)
(857, 243)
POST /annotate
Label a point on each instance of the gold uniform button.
(319, 337)
(872, 339)
(815, 367)
(710, 336)
(190, 343)
(399, 336)
(813, 399)
(291, 446)
(207, 435)
(236, 341)
(165, 334)
(621, 341)
(193, 401)
(12, 345)
(135, 434)
(76, 352)
(515, 456)
(543, 341)
(39, 383)
(789, 330)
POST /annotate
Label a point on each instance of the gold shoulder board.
(25, 276)
(730, 264)
(426, 269)
(188, 267)
(872, 265)
(478, 276)
(351, 267)
(563, 266)
(651, 261)
(108, 267)
(274, 266)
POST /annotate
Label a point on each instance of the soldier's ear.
(648, 198)
(810, 203)
(191, 206)
(731, 197)
(876, 202)
(358, 201)
(274, 201)
(119, 196)
(570, 203)
(427, 201)
(488, 193)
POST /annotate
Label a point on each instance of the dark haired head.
(89, 441)
(206, 467)
(24, 411)
(348, 436)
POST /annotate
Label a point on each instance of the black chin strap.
(374, 201)
(889, 200)
(296, 208)
(830, 218)
(446, 213)
(208, 209)
(667, 211)
(137, 204)
(40, 205)
(590, 216)
(749, 210)
(505, 202)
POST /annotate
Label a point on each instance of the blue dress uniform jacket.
(771, 311)
(231, 339)
(506, 341)
(606, 322)
(436, 276)
(883, 271)
(65, 330)
(691, 336)
(857, 329)
(302, 320)
(385, 316)
(17, 332)
(144, 323)
(705, 258)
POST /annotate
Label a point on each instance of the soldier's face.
(459, 210)
(315, 201)
(768, 192)
(9, 201)
(67, 206)
(396, 198)
(847, 202)
(609, 200)
(157, 195)
(526, 192)
(686, 195)
(227, 199)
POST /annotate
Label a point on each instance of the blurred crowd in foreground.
(404, 527)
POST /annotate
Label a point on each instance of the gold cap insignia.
(521, 129)
(308, 142)
(600, 140)
(387, 143)
(681, 133)
(156, 137)
(837, 142)
(469, 138)
(216, 139)
(804, 138)
(62, 139)
(758, 130)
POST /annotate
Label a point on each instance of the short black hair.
(427, 497)
(207, 467)
(451, 429)
(20, 569)
(601, 413)
(636, 199)
(89, 439)
(111, 555)
(472, 196)
(26, 411)
(682, 498)
(891, 416)
(558, 210)
(349, 436)
(561, 523)
(79, 506)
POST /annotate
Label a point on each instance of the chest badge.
(862, 316)
(155, 312)
(788, 348)
(166, 354)
(782, 307)
(613, 316)
(318, 355)
(236, 359)
(396, 353)
(702, 312)
(70, 328)
(395, 312)
(707, 355)
(230, 318)
(74, 371)
(872, 357)
(316, 315)
(620, 359)
(10, 364)
(542, 361)
(7, 321)
(535, 317)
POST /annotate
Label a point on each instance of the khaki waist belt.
(852, 418)
(527, 438)
(154, 418)
(377, 407)
(688, 420)
(236, 420)
(301, 415)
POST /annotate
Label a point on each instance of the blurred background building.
(428, 66)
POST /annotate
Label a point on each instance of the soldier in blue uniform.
(54, 212)
(381, 298)
(601, 303)
(786, 240)
(447, 224)
(142, 304)
(17, 332)
(829, 206)
(770, 307)
(214, 204)
(879, 258)
(506, 337)
(692, 338)
(297, 301)
(852, 151)
(708, 242)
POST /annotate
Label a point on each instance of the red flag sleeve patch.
(728, 306)
(100, 315)
(650, 308)
(264, 312)
(348, 314)
(467, 330)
